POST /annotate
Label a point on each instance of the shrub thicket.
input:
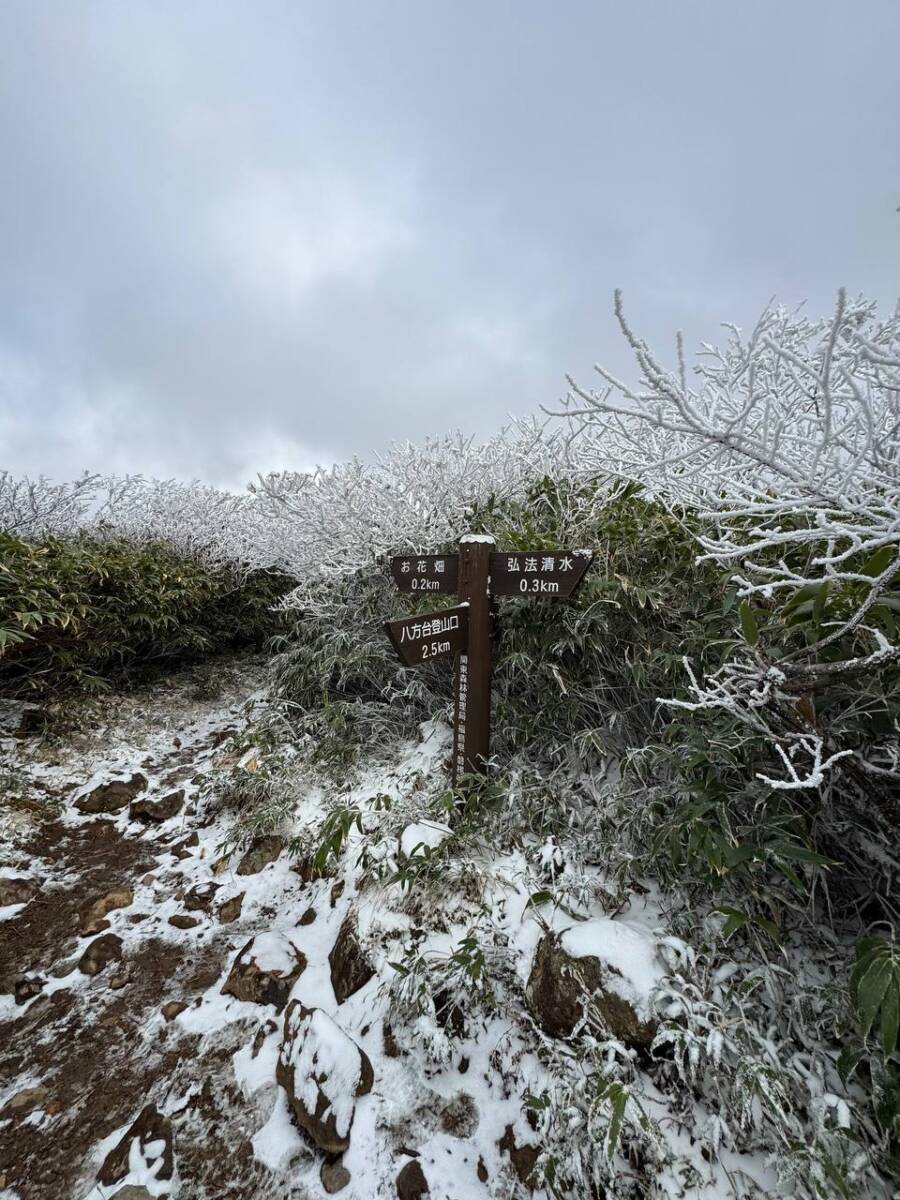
(78, 612)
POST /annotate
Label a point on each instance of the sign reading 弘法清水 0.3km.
(476, 573)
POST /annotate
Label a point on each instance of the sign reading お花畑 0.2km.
(476, 574)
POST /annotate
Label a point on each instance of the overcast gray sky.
(245, 236)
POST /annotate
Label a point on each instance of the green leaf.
(872, 988)
(890, 1016)
(849, 1059)
(537, 898)
(878, 562)
(749, 626)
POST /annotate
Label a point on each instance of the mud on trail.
(89, 957)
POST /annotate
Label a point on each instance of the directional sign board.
(544, 573)
(426, 573)
(419, 640)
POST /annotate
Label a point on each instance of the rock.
(522, 1157)
(265, 970)
(183, 849)
(183, 921)
(157, 810)
(334, 1177)
(92, 917)
(154, 1136)
(230, 910)
(323, 1072)
(481, 1171)
(350, 969)
(113, 796)
(147, 879)
(612, 962)
(171, 1010)
(21, 719)
(25, 1101)
(118, 982)
(17, 890)
(337, 891)
(262, 851)
(100, 953)
(132, 1192)
(137, 918)
(459, 1118)
(308, 917)
(391, 1048)
(411, 1182)
(27, 988)
(199, 898)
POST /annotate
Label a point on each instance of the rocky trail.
(189, 1016)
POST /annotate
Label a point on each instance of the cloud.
(238, 237)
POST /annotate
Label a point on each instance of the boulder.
(157, 810)
(334, 1177)
(100, 953)
(171, 1010)
(350, 969)
(323, 1072)
(113, 796)
(611, 962)
(154, 1136)
(24, 1101)
(16, 890)
(183, 921)
(411, 1182)
(523, 1157)
(27, 988)
(230, 910)
(265, 970)
(92, 917)
(261, 852)
(200, 898)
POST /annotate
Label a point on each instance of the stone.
(171, 1010)
(132, 1192)
(113, 796)
(199, 898)
(308, 917)
(334, 1177)
(411, 1182)
(25, 1101)
(265, 970)
(230, 910)
(137, 918)
(16, 890)
(350, 969)
(157, 810)
(261, 852)
(27, 988)
(481, 1171)
(617, 974)
(118, 982)
(459, 1118)
(92, 917)
(183, 921)
(100, 953)
(523, 1158)
(154, 1135)
(323, 1072)
(337, 890)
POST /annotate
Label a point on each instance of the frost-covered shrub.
(77, 612)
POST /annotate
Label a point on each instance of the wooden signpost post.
(475, 574)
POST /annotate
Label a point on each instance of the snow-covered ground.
(394, 971)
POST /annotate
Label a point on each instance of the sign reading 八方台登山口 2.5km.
(476, 574)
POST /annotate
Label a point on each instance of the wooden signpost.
(476, 574)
